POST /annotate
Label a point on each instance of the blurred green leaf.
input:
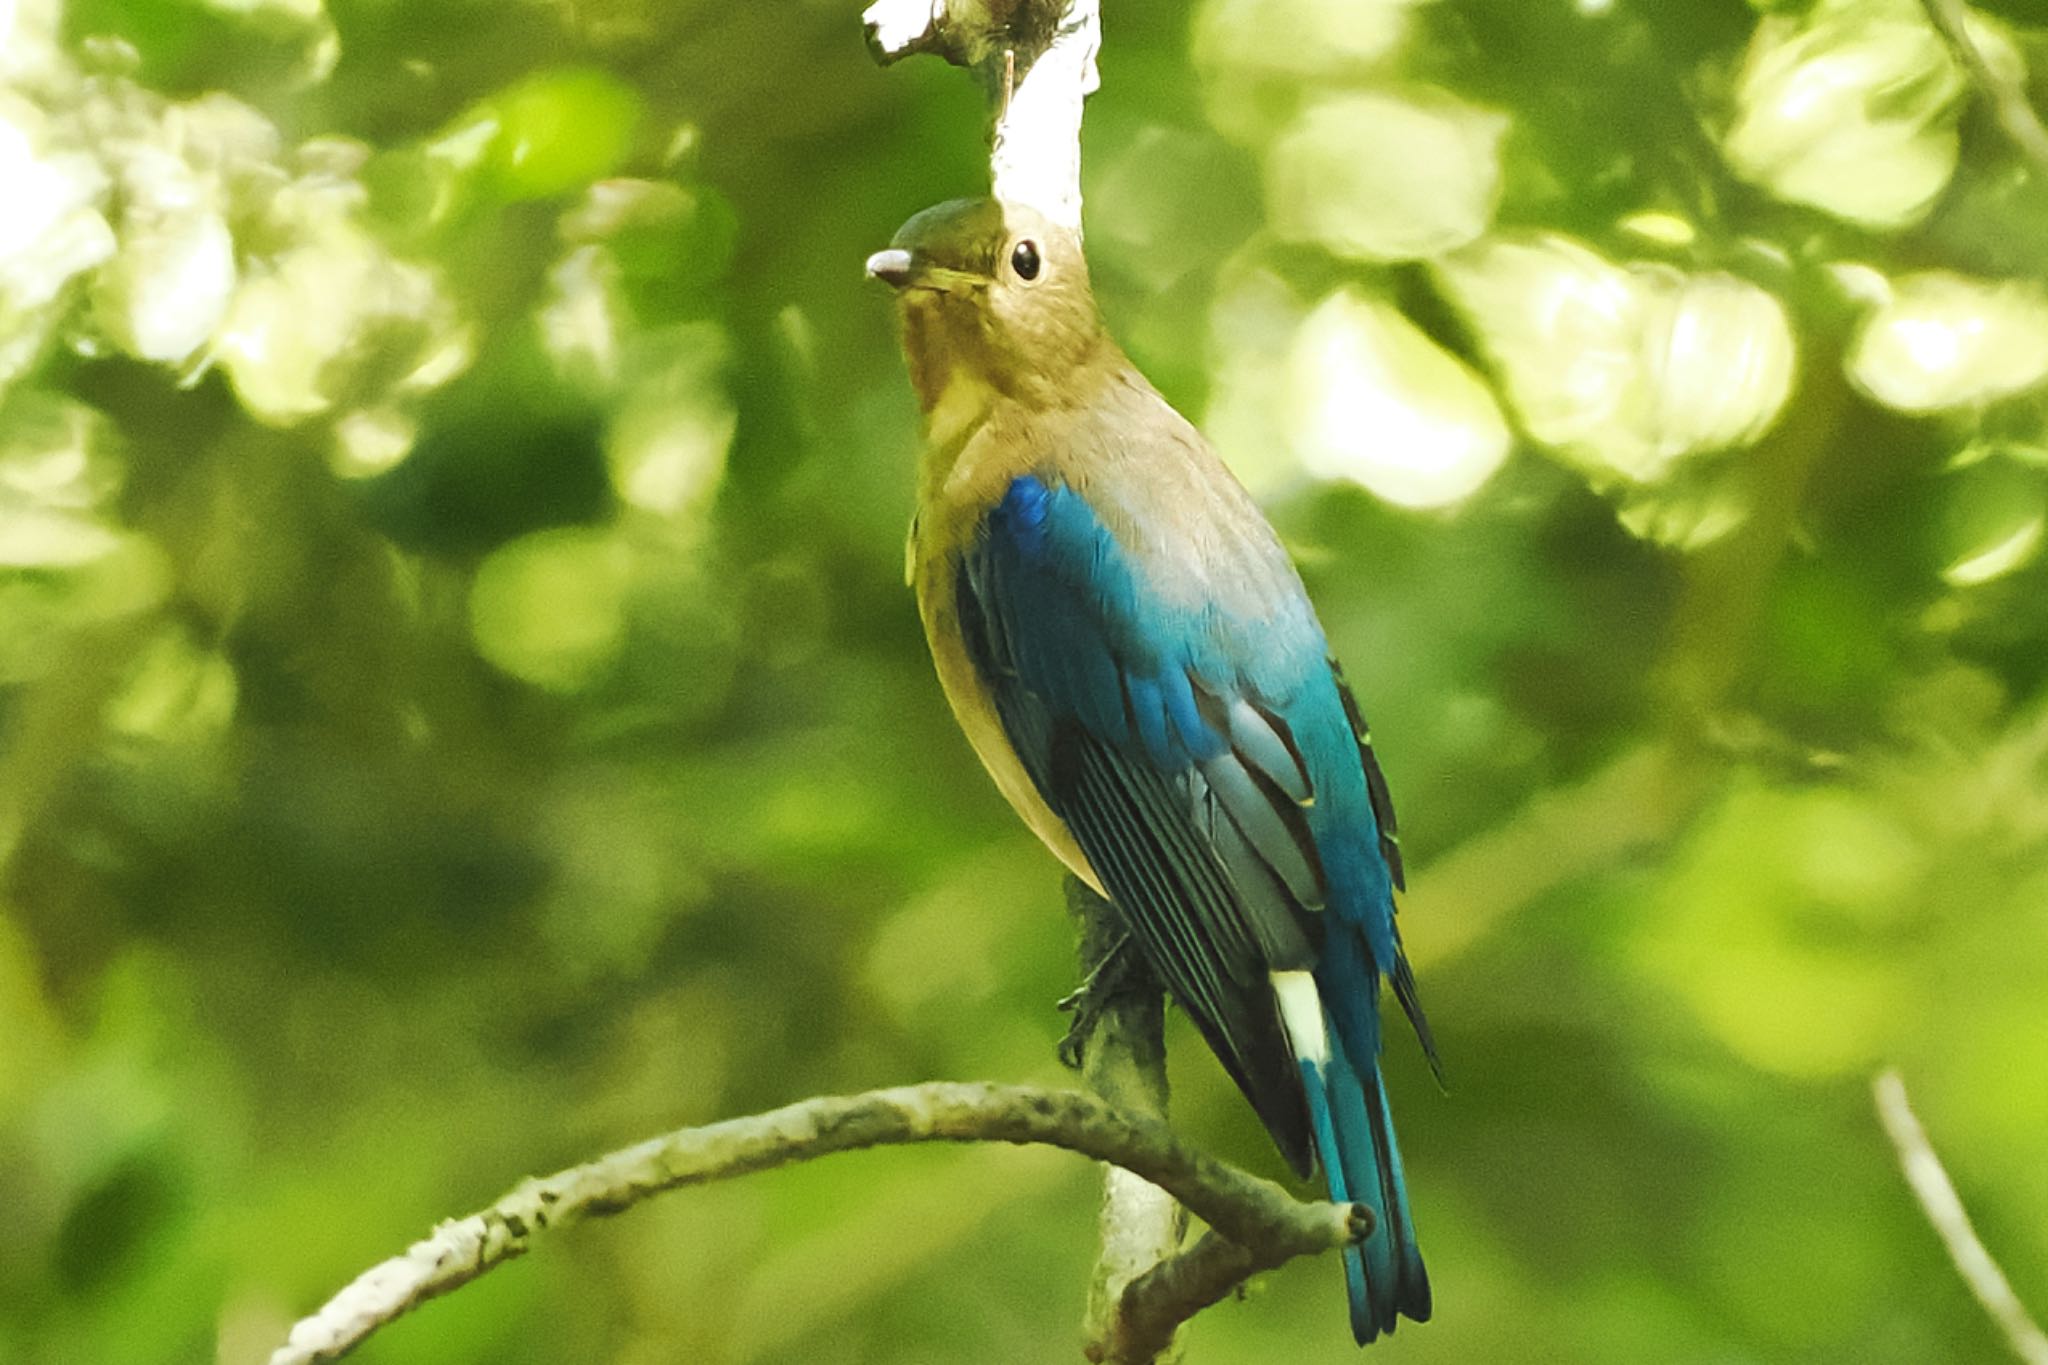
(553, 132)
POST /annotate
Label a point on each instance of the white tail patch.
(1301, 1014)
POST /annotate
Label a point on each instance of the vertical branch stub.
(1036, 63)
(1124, 1062)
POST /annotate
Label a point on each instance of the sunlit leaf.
(51, 228)
(175, 691)
(1850, 108)
(333, 313)
(1625, 370)
(1300, 38)
(1993, 517)
(1386, 177)
(369, 441)
(556, 131)
(1258, 56)
(1377, 402)
(168, 288)
(549, 608)
(61, 574)
(1946, 341)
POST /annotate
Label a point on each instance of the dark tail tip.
(1389, 1282)
(1374, 1316)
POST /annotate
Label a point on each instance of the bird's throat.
(953, 412)
(951, 395)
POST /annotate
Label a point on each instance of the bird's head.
(994, 296)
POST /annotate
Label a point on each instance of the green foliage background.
(462, 713)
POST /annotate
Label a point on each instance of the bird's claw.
(1110, 977)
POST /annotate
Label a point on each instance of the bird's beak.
(901, 268)
(893, 267)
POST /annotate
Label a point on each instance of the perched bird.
(1134, 658)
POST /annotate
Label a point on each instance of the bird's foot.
(1119, 971)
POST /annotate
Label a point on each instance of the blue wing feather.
(1216, 776)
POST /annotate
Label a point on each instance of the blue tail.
(1354, 1136)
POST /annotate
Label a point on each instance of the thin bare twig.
(2007, 99)
(1253, 1212)
(1945, 1211)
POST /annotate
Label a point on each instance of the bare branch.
(1036, 156)
(1240, 1206)
(2007, 98)
(1036, 61)
(1945, 1211)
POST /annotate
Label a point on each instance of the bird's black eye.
(1024, 259)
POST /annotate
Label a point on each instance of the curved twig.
(1251, 1212)
(1945, 1211)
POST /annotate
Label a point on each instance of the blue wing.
(1099, 704)
(1218, 778)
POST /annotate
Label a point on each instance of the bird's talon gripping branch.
(1073, 1044)
(1119, 972)
(1109, 977)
